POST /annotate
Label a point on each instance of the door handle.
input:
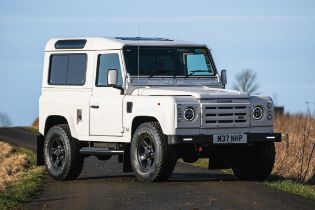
(95, 106)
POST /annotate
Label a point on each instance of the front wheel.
(255, 163)
(152, 159)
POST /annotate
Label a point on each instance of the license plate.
(230, 139)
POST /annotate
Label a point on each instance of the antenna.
(138, 59)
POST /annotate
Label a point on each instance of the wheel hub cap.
(57, 153)
(146, 153)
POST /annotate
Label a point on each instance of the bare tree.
(246, 82)
(4, 120)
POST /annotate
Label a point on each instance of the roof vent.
(70, 44)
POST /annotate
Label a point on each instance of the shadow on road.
(197, 177)
(106, 177)
(176, 177)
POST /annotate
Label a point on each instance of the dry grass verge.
(19, 176)
(11, 165)
(296, 153)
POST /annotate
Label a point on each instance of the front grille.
(234, 115)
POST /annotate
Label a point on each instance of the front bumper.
(251, 138)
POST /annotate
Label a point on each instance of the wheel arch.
(53, 120)
(138, 120)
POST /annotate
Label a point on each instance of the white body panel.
(161, 108)
(197, 92)
(65, 102)
(107, 119)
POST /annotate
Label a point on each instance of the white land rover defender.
(150, 101)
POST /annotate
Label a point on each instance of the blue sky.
(274, 38)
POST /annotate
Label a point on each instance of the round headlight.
(257, 112)
(189, 114)
(269, 105)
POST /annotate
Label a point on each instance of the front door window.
(106, 62)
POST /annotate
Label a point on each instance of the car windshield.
(168, 61)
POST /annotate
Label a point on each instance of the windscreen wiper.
(195, 71)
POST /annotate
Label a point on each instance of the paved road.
(19, 137)
(102, 185)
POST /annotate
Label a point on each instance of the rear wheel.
(61, 153)
(152, 159)
(255, 163)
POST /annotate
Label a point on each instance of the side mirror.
(223, 77)
(112, 77)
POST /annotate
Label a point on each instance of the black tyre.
(255, 163)
(187, 152)
(61, 153)
(152, 159)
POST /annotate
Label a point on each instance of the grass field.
(20, 178)
(307, 191)
(296, 153)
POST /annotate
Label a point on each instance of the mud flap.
(40, 150)
(126, 158)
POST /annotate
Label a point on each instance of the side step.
(100, 151)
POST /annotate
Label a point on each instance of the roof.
(111, 43)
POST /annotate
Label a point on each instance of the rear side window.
(67, 69)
